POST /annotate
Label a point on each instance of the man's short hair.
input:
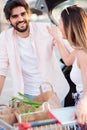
(10, 4)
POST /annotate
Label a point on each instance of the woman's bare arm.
(81, 111)
(67, 56)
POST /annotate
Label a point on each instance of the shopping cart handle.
(43, 122)
(26, 125)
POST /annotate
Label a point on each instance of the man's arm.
(2, 79)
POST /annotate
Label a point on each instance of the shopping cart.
(6, 126)
(61, 119)
(50, 124)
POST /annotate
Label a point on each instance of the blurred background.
(42, 11)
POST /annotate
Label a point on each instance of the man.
(27, 49)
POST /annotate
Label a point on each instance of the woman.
(73, 25)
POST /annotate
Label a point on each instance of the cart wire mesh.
(56, 126)
(51, 126)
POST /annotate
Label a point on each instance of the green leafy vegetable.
(24, 99)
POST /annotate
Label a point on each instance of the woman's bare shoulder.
(81, 53)
(82, 57)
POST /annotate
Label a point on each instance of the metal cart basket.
(53, 126)
(50, 126)
(63, 114)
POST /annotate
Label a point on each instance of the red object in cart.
(24, 125)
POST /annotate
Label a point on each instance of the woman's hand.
(55, 32)
(81, 112)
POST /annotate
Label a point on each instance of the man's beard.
(20, 29)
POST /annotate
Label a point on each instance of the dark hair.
(10, 4)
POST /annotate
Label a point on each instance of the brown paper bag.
(49, 99)
(47, 94)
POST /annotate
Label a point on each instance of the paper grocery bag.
(47, 94)
(48, 98)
